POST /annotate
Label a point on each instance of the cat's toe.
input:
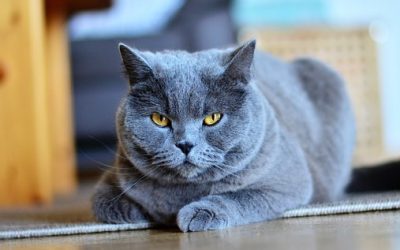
(195, 220)
(197, 217)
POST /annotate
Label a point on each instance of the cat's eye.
(212, 119)
(160, 120)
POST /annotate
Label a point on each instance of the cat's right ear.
(240, 61)
(136, 67)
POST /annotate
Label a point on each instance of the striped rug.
(68, 219)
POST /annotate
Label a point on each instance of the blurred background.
(360, 39)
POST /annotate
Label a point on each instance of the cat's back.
(305, 93)
(310, 101)
(279, 84)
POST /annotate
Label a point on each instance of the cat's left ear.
(239, 65)
(136, 67)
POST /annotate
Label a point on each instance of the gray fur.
(285, 139)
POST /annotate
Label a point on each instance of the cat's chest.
(163, 202)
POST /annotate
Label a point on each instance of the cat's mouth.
(189, 170)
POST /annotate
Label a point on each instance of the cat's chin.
(189, 170)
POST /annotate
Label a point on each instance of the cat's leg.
(236, 208)
(109, 205)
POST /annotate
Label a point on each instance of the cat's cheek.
(224, 138)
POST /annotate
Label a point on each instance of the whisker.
(107, 147)
(159, 155)
(156, 167)
(207, 160)
(211, 156)
(222, 168)
(162, 162)
(106, 166)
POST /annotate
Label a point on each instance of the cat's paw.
(202, 216)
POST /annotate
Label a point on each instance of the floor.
(358, 231)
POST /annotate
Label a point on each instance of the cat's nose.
(184, 146)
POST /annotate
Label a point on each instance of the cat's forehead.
(184, 65)
(189, 85)
(184, 79)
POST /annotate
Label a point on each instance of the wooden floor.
(375, 231)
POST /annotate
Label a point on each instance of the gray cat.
(219, 138)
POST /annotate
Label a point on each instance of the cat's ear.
(240, 60)
(136, 67)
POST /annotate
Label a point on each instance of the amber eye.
(212, 119)
(160, 120)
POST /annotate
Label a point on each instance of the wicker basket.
(353, 54)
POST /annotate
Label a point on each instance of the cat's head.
(189, 117)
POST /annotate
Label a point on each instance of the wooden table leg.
(60, 106)
(37, 156)
(25, 156)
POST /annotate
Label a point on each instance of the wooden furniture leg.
(60, 106)
(25, 156)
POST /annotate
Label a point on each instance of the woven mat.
(75, 218)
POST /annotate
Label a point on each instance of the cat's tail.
(382, 177)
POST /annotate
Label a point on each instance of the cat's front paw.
(202, 216)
